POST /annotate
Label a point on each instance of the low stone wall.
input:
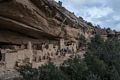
(12, 58)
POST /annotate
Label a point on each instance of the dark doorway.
(0, 55)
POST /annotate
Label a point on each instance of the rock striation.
(40, 19)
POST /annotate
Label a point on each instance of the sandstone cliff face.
(23, 13)
(40, 19)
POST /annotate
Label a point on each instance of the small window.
(39, 58)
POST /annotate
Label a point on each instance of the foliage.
(92, 76)
(28, 73)
(51, 72)
(89, 23)
(102, 57)
(74, 68)
(45, 72)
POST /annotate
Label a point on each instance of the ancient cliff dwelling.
(36, 31)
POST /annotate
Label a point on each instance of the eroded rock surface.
(39, 19)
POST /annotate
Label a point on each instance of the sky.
(105, 13)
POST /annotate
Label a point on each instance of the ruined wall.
(12, 58)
